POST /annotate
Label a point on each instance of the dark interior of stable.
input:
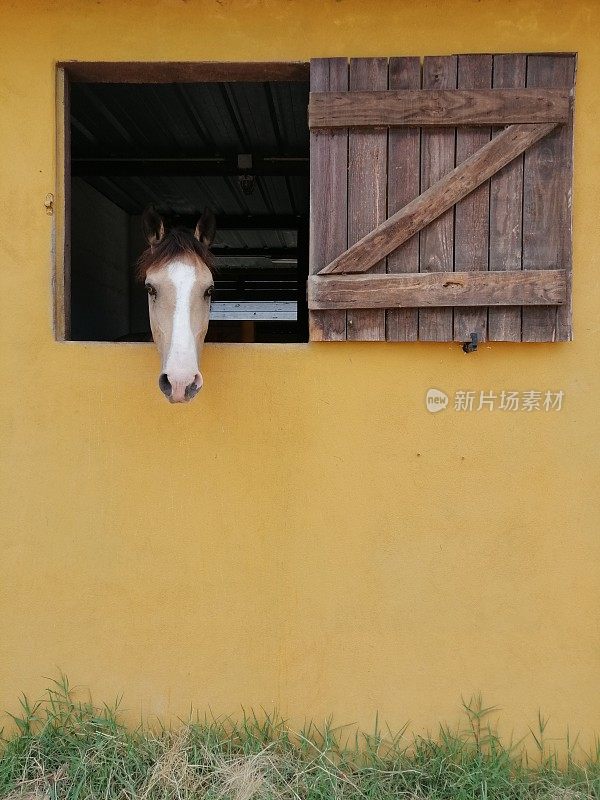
(238, 148)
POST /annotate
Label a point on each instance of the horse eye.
(151, 290)
(209, 291)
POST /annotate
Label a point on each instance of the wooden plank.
(547, 202)
(438, 199)
(472, 213)
(564, 315)
(404, 154)
(328, 196)
(506, 211)
(367, 190)
(437, 160)
(184, 71)
(523, 287)
(462, 106)
(62, 210)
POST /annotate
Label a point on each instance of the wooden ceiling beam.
(198, 167)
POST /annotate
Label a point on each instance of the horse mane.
(177, 243)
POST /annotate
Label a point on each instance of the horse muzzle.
(180, 388)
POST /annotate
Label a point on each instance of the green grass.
(61, 747)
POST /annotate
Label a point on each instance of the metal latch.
(470, 347)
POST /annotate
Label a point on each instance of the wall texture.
(305, 534)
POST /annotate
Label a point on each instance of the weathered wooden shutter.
(441, 198)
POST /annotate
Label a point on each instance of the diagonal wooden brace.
(421, 211)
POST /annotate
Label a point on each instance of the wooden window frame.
(68, 72)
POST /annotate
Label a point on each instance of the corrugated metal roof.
(199, 119)
(272, 195)
(211, 120)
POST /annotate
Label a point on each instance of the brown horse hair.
(177, 243)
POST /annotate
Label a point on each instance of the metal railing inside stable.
(256, 288)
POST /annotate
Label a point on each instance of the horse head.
(177, 272)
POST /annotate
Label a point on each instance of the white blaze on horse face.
(182, 358)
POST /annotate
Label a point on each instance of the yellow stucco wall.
(305, 534)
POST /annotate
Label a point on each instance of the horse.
(177, 271)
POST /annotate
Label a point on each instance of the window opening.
(240, 148)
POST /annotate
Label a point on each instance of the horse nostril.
(191, 390)
(165, 385)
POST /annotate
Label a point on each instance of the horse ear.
(153, 225)
(205, 227)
